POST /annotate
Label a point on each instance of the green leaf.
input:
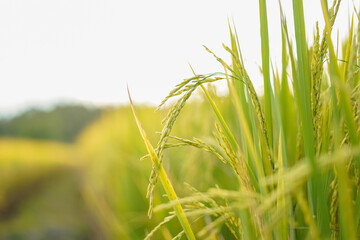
(164, 178)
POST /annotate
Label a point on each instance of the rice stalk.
(295, 150)
(164, 178)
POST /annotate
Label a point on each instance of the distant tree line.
(62, 123)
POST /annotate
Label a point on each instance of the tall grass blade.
(338, 83)
(164, 178)
(347, 223)
(266, 68)
(317, 194)
(303, 83)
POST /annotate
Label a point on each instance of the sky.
(88, 50)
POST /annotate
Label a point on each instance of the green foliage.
(114, 184)
(295, 154)
(63, 123)
(280, 166)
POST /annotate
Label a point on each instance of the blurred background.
(69, 146)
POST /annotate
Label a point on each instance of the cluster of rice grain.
(295, 151)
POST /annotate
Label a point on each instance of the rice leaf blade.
(266, 68)
(164, 178)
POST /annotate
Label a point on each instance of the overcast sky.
(86, 50)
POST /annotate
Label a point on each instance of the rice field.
(294, 151)
(281, 165)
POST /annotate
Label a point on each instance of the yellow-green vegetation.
(115, 179)
(39, 191)
(295, 153)
(24, 160)
(284, 165)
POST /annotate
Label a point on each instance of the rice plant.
(294, 151)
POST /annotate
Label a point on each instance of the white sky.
(86, 50)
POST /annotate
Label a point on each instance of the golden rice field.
(113, 179)
(22, 160)
(283, 165)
